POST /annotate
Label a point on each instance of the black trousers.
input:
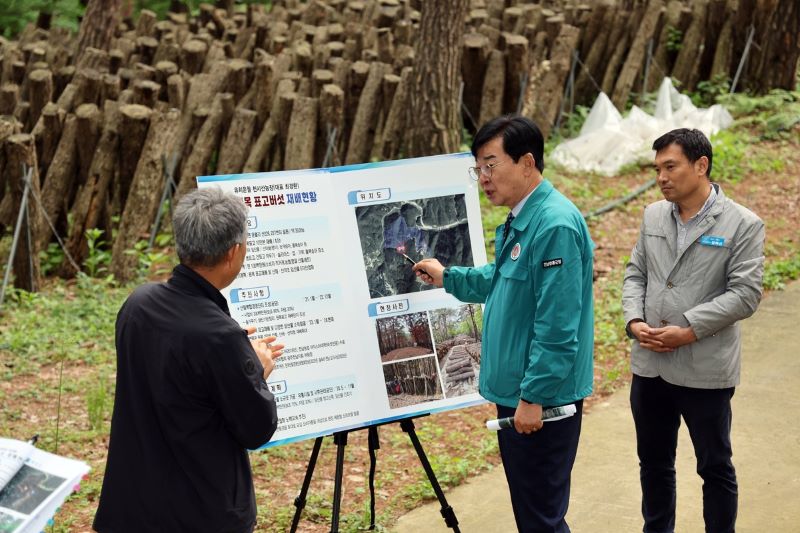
(657, 410)
(538, 468)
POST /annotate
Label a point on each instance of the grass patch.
(73, 320)
(778, 272)
(735, 158)
(610, 341)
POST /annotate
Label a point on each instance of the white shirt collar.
(517, 208)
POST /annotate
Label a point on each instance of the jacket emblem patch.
(550, 263)
(515, 251)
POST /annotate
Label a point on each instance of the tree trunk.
(473, 69)
(7, 129)
(590, 77)
(98, 25)
(284, 115)
(193, 55)
(20, 150)
(366, 119)
(201, 91)
(773, 63)
(237, 143)
(436, 79)
(388, 90)
(266, 139)
(517, 66)
(616, 48)
(331, 117)
(662, 57)
(723, 52)
(52, 123)
(89, 128)
(302, 132)
(9, 95)
(134, 123)
(356, 80)
(145, 195)
(92, 200)
(60, 180)
(686, 69)
(543, 108)
(634, 62)
(40, 90)
(397, 117)
(206, 144)
(494, 83)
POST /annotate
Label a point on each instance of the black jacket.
(190, 400)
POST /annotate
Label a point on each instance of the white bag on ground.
(607, 141)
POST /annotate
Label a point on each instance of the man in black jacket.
(191, 394)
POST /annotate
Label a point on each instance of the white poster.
(328, 271)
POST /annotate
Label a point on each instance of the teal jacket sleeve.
(469, 284)
(557, 281)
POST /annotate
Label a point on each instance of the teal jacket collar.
(522, 220)
(535, 200)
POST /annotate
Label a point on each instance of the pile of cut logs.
(318, 83)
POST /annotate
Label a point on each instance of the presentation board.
(328, 271)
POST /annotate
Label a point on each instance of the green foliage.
(737, 155)
(16, 14)
(772, 116)
(74, 321)
(451, 470)
(571, 124)
(674, 39)
(97, 402)
(51, 258)
(609, 335)
(740, 104)
(777, 273)
(492, 216)
(150, 260)
(99, 257)
(729, 150)
(709, 91)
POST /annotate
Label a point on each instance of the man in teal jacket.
(538, 319)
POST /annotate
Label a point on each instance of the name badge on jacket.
(711, 240)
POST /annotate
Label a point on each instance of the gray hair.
(206, 223)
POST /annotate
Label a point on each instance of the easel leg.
(340, 439)
(374, 444)
(447, 512)
(300, 501)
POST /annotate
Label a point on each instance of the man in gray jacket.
(694, 273)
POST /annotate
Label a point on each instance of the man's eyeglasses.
(486, 170)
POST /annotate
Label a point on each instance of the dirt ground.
(405, 353)
(450, 436)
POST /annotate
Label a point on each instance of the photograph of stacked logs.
(319, 83)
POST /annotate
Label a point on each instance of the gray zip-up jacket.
(712, 285)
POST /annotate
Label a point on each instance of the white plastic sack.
(607, 141)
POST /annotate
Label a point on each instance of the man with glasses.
(538, 319)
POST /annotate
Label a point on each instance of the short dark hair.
(520, 136)
(693, 143)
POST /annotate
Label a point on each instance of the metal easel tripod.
(340, 439)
